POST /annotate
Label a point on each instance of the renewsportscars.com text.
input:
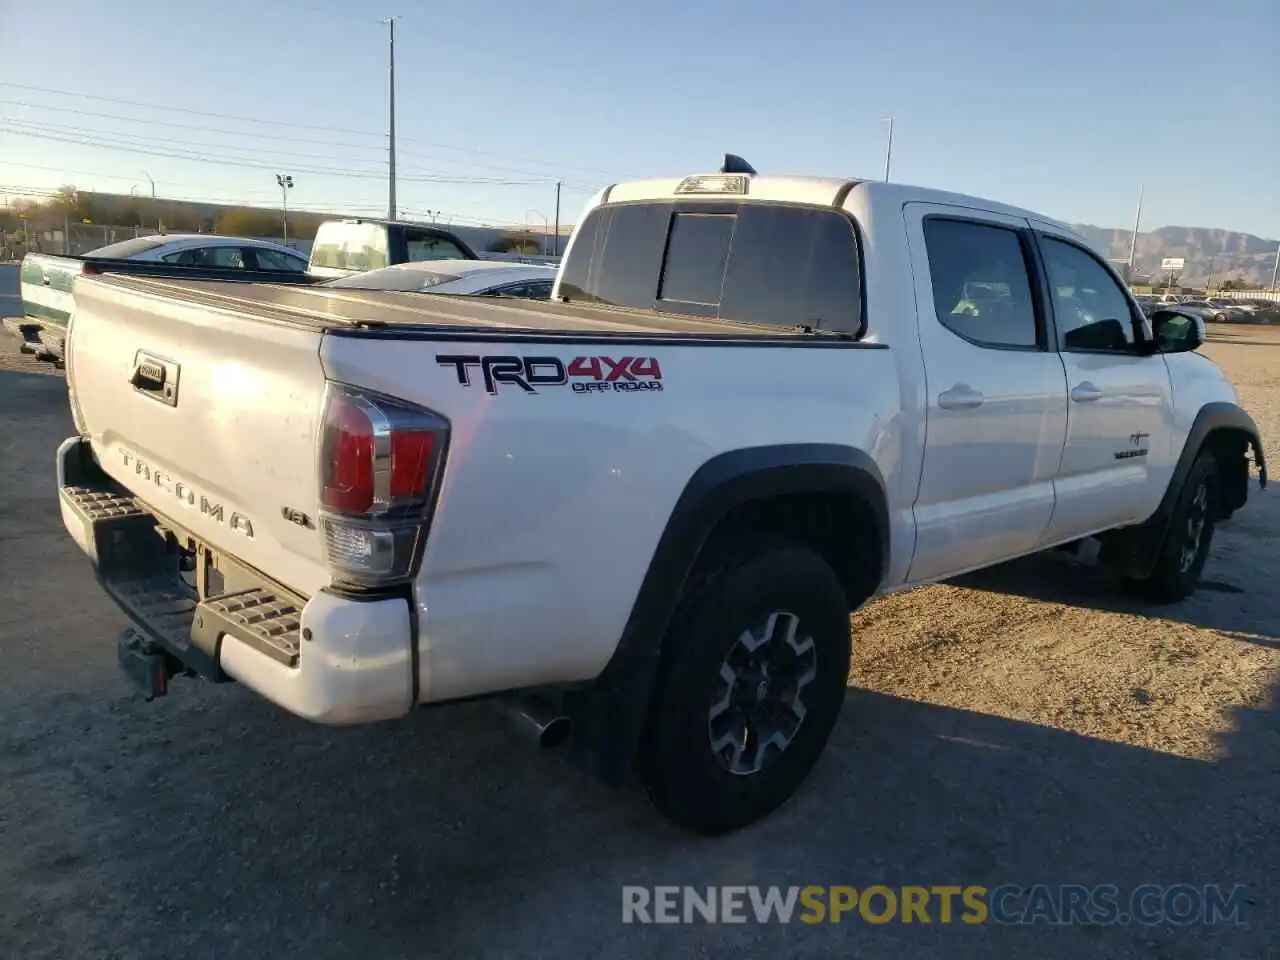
(1009, 904)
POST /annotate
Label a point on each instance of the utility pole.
(391, 122)
(555, 243)
(1275, 271)
(286, 184)
(888, 153)
(1133, 241)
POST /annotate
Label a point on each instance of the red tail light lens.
(379, 461)
(348, 457)
(410, 462)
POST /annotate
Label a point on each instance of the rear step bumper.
(329, 659)
(45, 340)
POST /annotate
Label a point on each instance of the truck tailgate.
(46, 287)
(209, 417)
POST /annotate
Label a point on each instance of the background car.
(1226, 311)
(487, 278)
(1148, 304)
(207, 250)
(1199, 307)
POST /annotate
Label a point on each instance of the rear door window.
(267, 259)
(981, 282)
(226, 258)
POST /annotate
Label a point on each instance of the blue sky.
(1061, 107)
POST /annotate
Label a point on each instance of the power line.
(190, 126)
(254, 164)
(328, 144)
(130, 139)
(187, 110)
(275, 124)
(294, 5)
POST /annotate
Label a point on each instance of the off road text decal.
(581, 374)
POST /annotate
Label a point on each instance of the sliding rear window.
(756, 262)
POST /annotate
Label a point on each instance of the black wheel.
(754, 673)
(1186, 545)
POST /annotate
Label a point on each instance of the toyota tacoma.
(642, 512)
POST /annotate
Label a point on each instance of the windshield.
(392, 278)
(129, 248)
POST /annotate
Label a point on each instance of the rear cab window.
(350, 246)
(775, 264)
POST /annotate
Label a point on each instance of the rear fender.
(609, 714)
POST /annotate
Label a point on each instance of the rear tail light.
(380, 461)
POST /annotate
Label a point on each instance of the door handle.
(960, 397)
(155, 378)
(1086, 393)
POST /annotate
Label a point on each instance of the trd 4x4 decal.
(581, 374)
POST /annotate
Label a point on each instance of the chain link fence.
(74, 239)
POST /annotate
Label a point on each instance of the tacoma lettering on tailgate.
(185, 495)
(581, 374)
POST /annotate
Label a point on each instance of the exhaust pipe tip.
(556, 733)
(542, 721)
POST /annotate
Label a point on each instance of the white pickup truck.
(642, 511)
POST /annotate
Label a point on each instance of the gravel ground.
(1026, 725)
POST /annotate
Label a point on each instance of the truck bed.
(406, 314)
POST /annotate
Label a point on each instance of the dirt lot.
(1025, 726)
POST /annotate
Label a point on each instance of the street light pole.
(391, 121)
(888, 153)
(286, 184)
(555, 248)
(546, 225)
(153, 198)
(1133, 241)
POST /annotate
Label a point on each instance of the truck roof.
(820, 191)
(382, 221)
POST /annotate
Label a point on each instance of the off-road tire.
(1171, 578)
(685, 777)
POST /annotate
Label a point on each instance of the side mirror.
(1177, 331)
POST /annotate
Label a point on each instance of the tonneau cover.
(331, 308)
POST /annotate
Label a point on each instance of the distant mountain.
(1209, 254)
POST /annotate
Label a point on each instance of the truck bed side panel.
(553, 501)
